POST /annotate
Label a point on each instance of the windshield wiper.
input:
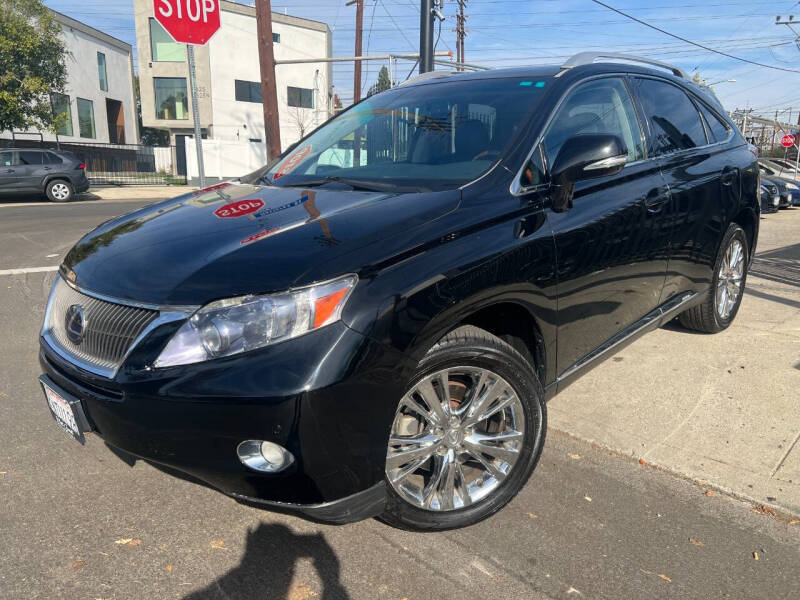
(356, 184)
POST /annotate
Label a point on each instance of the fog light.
(265, 457)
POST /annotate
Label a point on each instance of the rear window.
(27, 157)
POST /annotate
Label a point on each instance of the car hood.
(234, 239)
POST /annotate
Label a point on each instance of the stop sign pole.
(190, 22)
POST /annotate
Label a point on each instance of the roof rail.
(587, 58)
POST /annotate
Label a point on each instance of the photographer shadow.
(268, 567)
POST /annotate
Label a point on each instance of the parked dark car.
(788, 189)
(770, 197)
(374, 328)
(58, 175)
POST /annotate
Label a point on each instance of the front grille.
(109, 329)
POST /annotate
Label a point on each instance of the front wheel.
(727, 286)
(466, 435)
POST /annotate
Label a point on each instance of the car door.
(8, 170)
(701, 181)
(610, 248)
(31, 169)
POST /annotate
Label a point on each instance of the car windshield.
(433, 136)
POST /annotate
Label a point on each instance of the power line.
(646, 24)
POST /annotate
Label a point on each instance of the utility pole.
(357, 64)
(269, 91)
(425, 36)
(461, 33)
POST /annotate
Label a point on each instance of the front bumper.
(328, 397)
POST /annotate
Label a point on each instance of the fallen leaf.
(574, 456)
(3, 473)
(665, 578)
(755, 555)
(697, 543)
(300, 591)
(169, 568)
(124, 541)
(763, 510)
(709, 493)
(532, 516)
(587, 498)
(643, 462)
(78, 564)
(134, 542)
(794, 521)
(218, 544)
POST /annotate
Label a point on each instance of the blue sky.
(513, 32)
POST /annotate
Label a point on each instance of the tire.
(708, 317)
(59, 190)
(467, 354)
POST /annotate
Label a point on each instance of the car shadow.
(268, 567)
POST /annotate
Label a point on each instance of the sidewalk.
(720, 409)
(135, 192)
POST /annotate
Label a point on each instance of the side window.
(674, 120)
(6, 159)
(533, 173)
(53, 159)
(30, 158)
(599, 106)
(718, 130)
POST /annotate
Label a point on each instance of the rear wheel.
(466, 436)
(59, 190)
(727, 287)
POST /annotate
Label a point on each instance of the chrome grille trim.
(113, 327)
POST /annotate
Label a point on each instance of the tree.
(32, 65)
(383, 83)
(149, 136)
(302, 119)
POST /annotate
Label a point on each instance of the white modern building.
(229, 84)
(98, 104)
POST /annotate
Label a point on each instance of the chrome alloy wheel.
(60, 191)
(455, 437)
(729, 280)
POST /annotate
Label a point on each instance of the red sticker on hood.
(239, 208)
(259, 236)
(291, 162)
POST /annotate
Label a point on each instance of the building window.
(172, 103)
(300, 97)
(86, 118)
(162, 47)
(276, 37)
(101, 71)
(248, 91)
(62, 113)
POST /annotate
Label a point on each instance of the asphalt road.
(76, 522)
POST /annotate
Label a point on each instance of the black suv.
(374, 328)
(58, 175)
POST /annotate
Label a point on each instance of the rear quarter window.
(718, 130)
(53, 159)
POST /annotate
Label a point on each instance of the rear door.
(31, 169)
(610, 248)
(702, 183)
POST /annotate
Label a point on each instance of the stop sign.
(188, 21)
(787, 140)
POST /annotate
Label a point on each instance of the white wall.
(225, 159)
(83, 81)
(234, 55)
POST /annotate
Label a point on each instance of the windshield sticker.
(291, 162)
(239, 208)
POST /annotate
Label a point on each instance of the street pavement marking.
(28, 270)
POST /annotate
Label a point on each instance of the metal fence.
(117, 164)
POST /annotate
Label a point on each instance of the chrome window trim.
(518, 190)
(167, 314)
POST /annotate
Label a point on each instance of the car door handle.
(48, 168)
(655, 200)
(10, 171)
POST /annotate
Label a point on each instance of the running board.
(651, 320)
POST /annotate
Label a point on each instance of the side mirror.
(585, 157)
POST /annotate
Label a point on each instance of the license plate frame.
(66, 410)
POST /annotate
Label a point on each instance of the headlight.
(792, 186)
(236, 325)
(763, 190)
